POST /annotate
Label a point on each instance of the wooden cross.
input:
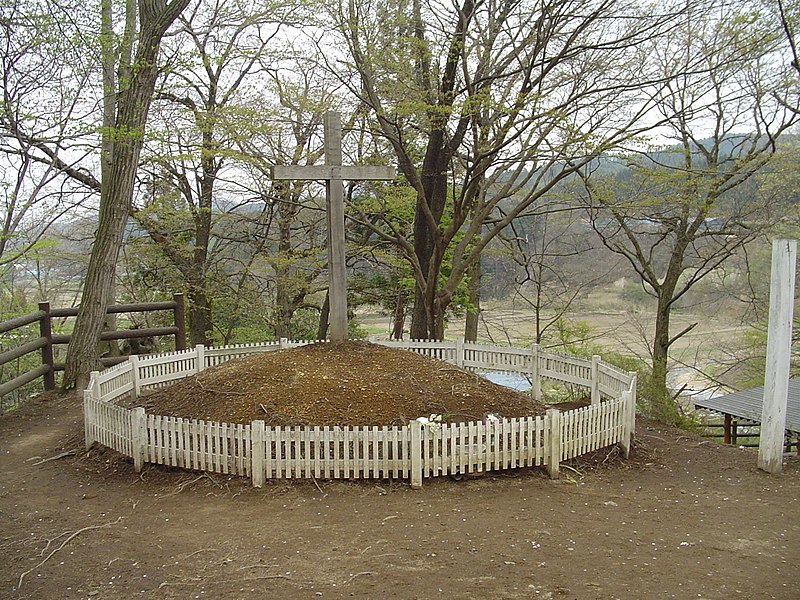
(333, 173)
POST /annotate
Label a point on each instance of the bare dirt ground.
(685, 518)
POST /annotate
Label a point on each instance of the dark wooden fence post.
(44, 343)
(46, 331)
(726, 432)
(179, 314)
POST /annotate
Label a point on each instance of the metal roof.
(747, 404)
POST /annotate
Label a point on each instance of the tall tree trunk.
(201, 319)
(661, 347)
(133, 103)
(428, 320)
(97, 287)
(399, 315)
(665, 292)
(474, 311)
(324, 314)
(427, 216)
(284, 306)
(419, 316)
(199, 310)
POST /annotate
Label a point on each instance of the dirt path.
(684, 519)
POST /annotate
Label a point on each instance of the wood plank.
(243, 440)
(416, 466)
(350, 453)
(278, 442)
(397, 443)
(371, 465)
(365, 452)
(779, 351)
(356, 452)
(332, 172)
(214, 447)
(441, 452)
(307, 437)
(225, 452)
(448, 447)
(294, 451)
(384, 452)
(269, 463)
(481, 446)
(515, 442)
(338, 457)
(187, 443)
(472, 446)
(426, 452)
(317, 449)
(289, 452)
(177, 449)
(257, 452)
(199, 446)
(326, 452)
(240, 453)
(158, 445)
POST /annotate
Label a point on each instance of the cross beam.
(333, 173)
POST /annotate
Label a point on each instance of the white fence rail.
(411, 452)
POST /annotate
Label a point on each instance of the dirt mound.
(347, 383)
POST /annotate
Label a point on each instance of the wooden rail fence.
(46, 340)
(414, 451)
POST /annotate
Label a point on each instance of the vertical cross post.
(334, 199)
(333, 173)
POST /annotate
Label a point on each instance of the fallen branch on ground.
(64, 543)
(56, 457)
(358, 575)
(182, 486)
(196, 552)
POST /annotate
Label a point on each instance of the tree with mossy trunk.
(129, 100)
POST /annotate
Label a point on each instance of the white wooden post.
(134, 363)
(88, 418)
(779, 349)
(138, 437)
(627, 433)
(553, 417)
(90, 395)
(595, 379)
(536, 382)
(416, 454)
(257, 431)
(201, 357)
(283, 343)
(460, 353)
(634, 383)
(94, 383)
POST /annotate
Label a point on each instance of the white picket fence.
(412, 452)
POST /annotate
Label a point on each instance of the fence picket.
(366, 451)
(384, 462)
(326, 448)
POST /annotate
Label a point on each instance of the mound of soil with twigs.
(346, 383)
